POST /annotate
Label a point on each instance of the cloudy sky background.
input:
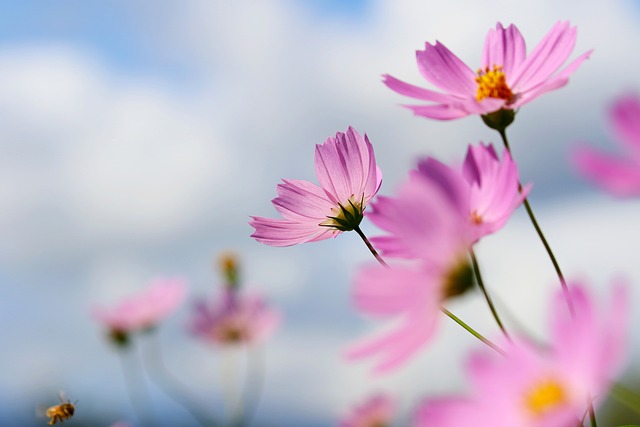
(136, 138)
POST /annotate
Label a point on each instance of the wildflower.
(349, 178)
(507, 78)
(377, 411)
(493, 188)
(619, 175)
(427, 225)
(142, 311)
(233, 319)
(533, 386)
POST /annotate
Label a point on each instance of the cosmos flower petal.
(504, 48)
(397, 346)
(437, 111)
(442, 68)
(619, 176)
(446, 411)
(378, 410)
(553, 83)
(415, 91)
(282, 232)
(349, 178)
(546, 58)
(625, 117)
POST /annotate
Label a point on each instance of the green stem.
(476, 270)
(472, 331)
(592, 415)
(556, 266)
(626, 396)
(370, 246)
(138, 393)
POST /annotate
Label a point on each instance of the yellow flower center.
(492, 83)
(347, 216)
(458, 279)
(544, 397)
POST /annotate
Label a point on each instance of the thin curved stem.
(370, 246)
(167, 382)
(252, 390)
(472, 331)
(476, 270)
(554, 261)
(136, 388)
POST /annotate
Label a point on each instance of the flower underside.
(544, 397)
(346, 217)
(458, 280)
(492, 83)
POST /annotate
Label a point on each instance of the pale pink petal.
(504, 48)
(555, 82)
(281, 232)
(442, 68)
(414, 91)
(302, 201)
(438, 111)
(545, 59)
(620, 176)
(449, 412)
(625, 116)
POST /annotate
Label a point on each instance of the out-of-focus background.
(137, 137)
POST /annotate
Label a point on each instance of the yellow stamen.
(544, 397)
(492, 83)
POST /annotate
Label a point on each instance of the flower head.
(428, 225)
(493, 188)
(535, 386)
(619, 175)
(232, 318)
(349, 178)
(143, 310)
(507, 78)
(377, 411)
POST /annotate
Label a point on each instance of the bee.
(61, 412)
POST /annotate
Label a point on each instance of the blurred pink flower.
(145, 309)
(376, 411)
(233, 319)
(349, 178)
(507, 77)
(430, 226)
(493, 191)
(537, 386)
(619, 175)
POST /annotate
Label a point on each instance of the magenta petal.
(414, 91)
(618, 175)
(302, 201)
(504, 48)
(438, 112)
(442, 68)
(545, 59)
(280, 232)
(625, 116)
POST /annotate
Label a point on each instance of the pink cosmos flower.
(507, 79)
(145, 309)
(233, 319)
(493, 188)
(376, 411)
(428, 226)
(349, 178)
(535, 386)
(619, 175)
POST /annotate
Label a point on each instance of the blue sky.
(137, 138)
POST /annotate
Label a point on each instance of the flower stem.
(556, 266)
(138, 393)
(160, 375)
(370, 246)
(626, 396)
(252, 390)
(476, 270)
(592, 416)
(472, 331)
